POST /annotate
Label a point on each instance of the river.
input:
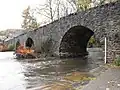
(27, 74)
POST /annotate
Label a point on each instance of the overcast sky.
(11, 11)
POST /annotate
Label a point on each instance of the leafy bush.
(11, 47)
(117, 61)
(91, 42)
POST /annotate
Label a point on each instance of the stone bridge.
(70, 34)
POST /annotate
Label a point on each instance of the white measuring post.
(105, 51)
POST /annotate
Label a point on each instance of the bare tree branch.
(44, 15)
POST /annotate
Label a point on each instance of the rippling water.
(26, 74)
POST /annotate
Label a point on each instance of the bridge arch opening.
(74, 42)
(17, 44)
(29, 43)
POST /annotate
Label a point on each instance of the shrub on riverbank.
(117, 61)
(93, 42)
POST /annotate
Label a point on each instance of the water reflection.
(26, 74)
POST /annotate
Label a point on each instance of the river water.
(27, 74)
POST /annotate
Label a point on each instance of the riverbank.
(106, 80)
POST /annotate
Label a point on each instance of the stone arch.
(17, 44)
(29, 42)
(74, 42)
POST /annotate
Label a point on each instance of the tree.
(29, 22)
(83, 4)
(26, 16)
(54, 9)
(73, 4)
(67, 7)
(33, 24)
(47, 10)
(80, 5)
(101, 2)
(86, 4)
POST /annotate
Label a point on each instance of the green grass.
(117, 61)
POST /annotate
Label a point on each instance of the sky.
(11, 12)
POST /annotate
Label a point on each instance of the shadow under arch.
(29, 42)
(74, 42)
(17, 44)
